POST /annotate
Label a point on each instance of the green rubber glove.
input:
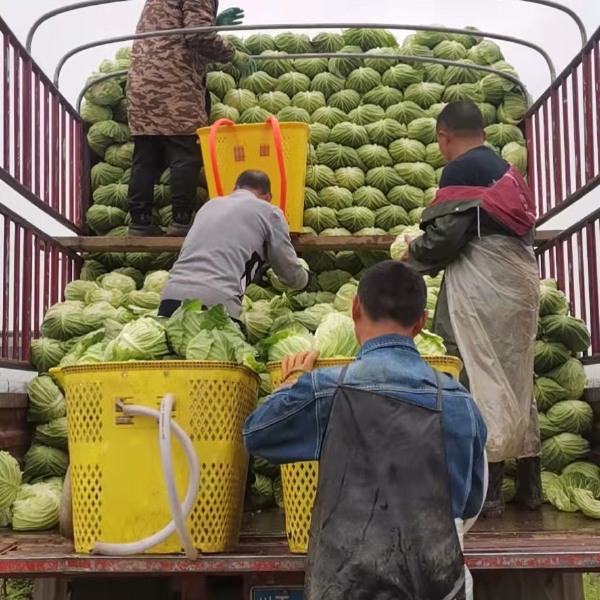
(230, 16)
(244, 63)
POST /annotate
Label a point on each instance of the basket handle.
(212, 146)
(277, 141)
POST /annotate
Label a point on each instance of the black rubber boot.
(528, 483)
(144, 231)
(142, 226)
(181, 224)
(494, 502)
(177, 230)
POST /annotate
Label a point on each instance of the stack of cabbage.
(30, 501)
(114, 319)
(374, 162)
(16, 589)
(565, 420)
(35, 505)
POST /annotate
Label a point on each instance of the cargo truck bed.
(520, 540)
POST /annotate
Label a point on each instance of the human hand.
(230, 16)
(244, 63)
(298, 364)
(312, 284)
(408, 240)
(260, 275)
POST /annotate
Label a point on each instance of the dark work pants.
(151, 153)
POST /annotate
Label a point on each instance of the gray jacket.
(230, 239)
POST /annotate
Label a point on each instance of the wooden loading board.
(302, 243)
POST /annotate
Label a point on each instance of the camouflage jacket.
(166, 85)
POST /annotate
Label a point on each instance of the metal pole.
(59, 11)
(214, 29)
(568, 11)
(397, 57)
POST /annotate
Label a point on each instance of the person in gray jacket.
(231, 240)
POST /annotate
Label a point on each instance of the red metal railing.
(34, 270)
(572, 258)
(563, 135)
(43, 150)
(563, 139)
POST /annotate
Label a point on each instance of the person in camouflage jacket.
(167, 102)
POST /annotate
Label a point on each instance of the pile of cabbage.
(374, 163)
(16, 589)
(30, 500)
(114, 318)
(569, 483)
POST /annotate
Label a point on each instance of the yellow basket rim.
(321, 363)
(155, 365)
(283, 125)
(335, 362)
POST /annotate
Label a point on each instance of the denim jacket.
(291, 424)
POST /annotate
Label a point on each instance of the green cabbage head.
(10, 480)
(335, 337)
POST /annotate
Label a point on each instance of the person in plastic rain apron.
(400, 449)
(479, 230)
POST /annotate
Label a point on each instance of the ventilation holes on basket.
(84, 406)
(221, 491)
(299, 491)
(86, 483)
(221, 400)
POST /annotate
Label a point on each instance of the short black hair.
(393, 291)
(254, 180)
(462, 117)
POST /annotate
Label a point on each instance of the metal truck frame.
(44, 158)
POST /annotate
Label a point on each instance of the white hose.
(188, 502)
(486, 477)
(166, 456)
(463, 528)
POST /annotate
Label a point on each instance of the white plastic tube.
(140, 546)
(463, 528)
(166, 456)
(486, 477)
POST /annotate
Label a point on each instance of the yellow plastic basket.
(280, 150)
(118, 490)
(299, 480)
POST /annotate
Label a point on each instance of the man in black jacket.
(479, 230)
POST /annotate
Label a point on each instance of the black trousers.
(151, 154)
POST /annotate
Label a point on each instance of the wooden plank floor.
(520, 540)
(302, 243)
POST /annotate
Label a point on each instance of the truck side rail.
(303, 26)
(90, 3)
(572, 258)
(563, 135)
(43, 149)
(61, 10)
(391, 57)
(34, 270)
